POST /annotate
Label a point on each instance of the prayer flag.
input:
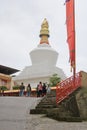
(70, 24)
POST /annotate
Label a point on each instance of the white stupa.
(44, 59)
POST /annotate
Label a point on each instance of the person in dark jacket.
(44, 89)
(22, 88)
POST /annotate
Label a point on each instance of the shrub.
(54, 80)
(15, 87)
(3, 88)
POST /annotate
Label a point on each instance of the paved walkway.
(14, 115)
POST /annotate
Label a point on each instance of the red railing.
(68, 86)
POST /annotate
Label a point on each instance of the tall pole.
(74, 66)
(70, 22)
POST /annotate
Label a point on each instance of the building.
(44, 59)
(5, 76)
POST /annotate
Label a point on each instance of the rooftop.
(7, 70)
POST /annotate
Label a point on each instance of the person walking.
(28, 90)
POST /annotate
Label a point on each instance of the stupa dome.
(44, 59)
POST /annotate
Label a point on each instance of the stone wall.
(81, 96)
(83, 79)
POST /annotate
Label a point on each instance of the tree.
(54, 80)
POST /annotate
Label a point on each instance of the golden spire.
(44, 32)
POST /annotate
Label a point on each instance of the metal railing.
(68, 86)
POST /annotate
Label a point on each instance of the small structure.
(44, 59)
(5, 76)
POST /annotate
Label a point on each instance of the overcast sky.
(20, 24)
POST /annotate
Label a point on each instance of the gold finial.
(44, 28)
(44, 32)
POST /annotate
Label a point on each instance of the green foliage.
(15, 87)
(3, 88)
(54, 80)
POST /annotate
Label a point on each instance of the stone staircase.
(47, 102)
(66, 110)
(69, 103)
(64, 90)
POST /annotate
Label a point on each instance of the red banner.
(70, 23)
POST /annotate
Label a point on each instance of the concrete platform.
(14, 115)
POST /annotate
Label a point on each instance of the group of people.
(41, 89)
(22, 89)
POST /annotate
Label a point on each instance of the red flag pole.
(74, 67)
(70, 22)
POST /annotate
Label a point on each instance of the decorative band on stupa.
(44, 32)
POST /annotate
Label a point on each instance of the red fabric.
(70, 23)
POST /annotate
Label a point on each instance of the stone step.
(51, 95)
(47, 103)
(38, 111)
(45, 111)
(48, 100)
(48, 96)
(45, 106)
